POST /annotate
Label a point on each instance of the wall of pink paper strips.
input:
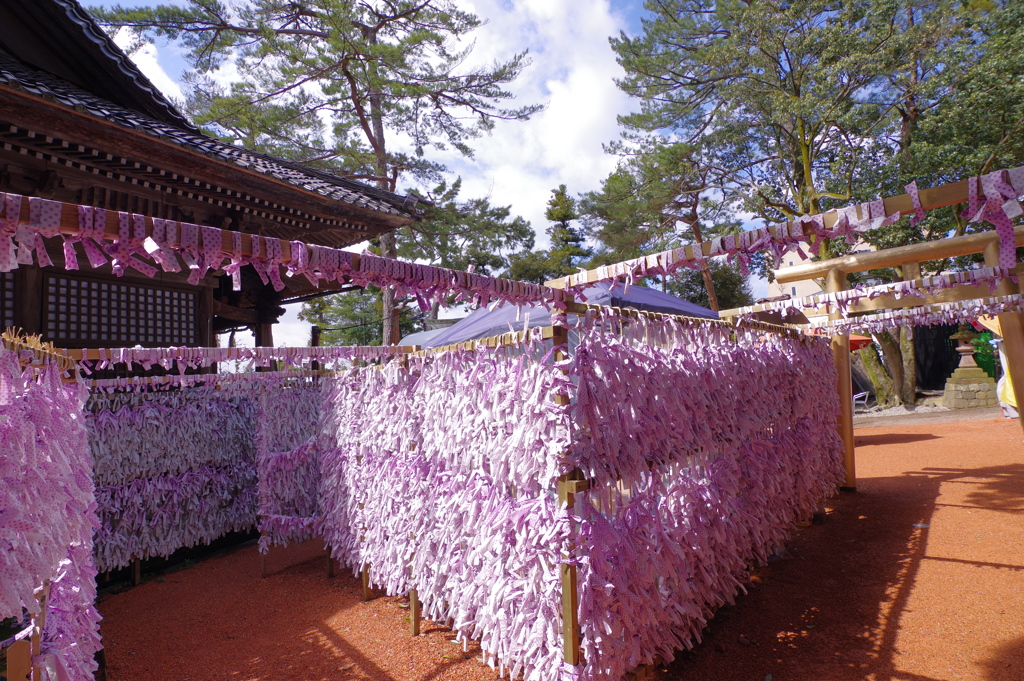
(176, 468)
(47, 514)
(701, 450)
(173, 469)
(440, 474)
(288, 460)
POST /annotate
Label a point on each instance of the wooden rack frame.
(935, 197)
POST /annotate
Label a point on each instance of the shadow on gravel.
(892, 439)
(833, 611)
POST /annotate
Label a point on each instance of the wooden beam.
(895, 257)
(836, 281)
(1012, 326)
(245, 315)
(36, 114)
(890, 302)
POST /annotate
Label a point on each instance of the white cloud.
(146, 59)
(572, 72)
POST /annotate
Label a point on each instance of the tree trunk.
(705, 272)
(908, 388)
(391, 334)
(880, 380)
(388, 247)
(893, 358)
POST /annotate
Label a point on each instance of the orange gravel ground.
(919, 576)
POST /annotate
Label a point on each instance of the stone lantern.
(969, 386)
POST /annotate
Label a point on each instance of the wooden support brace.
(414, 612)
(836, 281)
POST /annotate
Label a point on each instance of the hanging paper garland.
(840, 301)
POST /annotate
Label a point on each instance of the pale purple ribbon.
(999, 209)
(165, 232)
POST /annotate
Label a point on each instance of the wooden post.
(263, 563)
(1012, 327)
(38, 623)
(330, 565)
(414, 612)
(836, 281)
(136, 572)
(19, 661)
(567, 497)
(365, 576)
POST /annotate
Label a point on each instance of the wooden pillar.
(204, 317)
(836, 281)
(568, 486)
(136, 571)
(28, 301)
(264, 335)
(1012, 327)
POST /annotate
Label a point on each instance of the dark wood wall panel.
(83, 312)
(6, 299)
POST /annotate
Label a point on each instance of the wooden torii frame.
(909, 259)
(835, 272)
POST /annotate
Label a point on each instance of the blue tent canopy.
(485, 321)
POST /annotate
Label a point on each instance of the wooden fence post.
(414, 612)
(365, 577)
(836, 281)
(567, 488)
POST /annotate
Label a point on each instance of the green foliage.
(788, 106)
(353, 317)
(984, 354)
(331, 81)
(465, 233)
(568, 249)
(731, 287)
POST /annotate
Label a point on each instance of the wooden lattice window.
(6, 300)
(86, 312)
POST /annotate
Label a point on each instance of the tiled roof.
(160, 119)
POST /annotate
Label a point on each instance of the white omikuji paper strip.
(438, 477)
(288, 462)
(173, 469)
(703, 452)
(48, 513)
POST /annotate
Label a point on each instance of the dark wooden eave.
(130, 153)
